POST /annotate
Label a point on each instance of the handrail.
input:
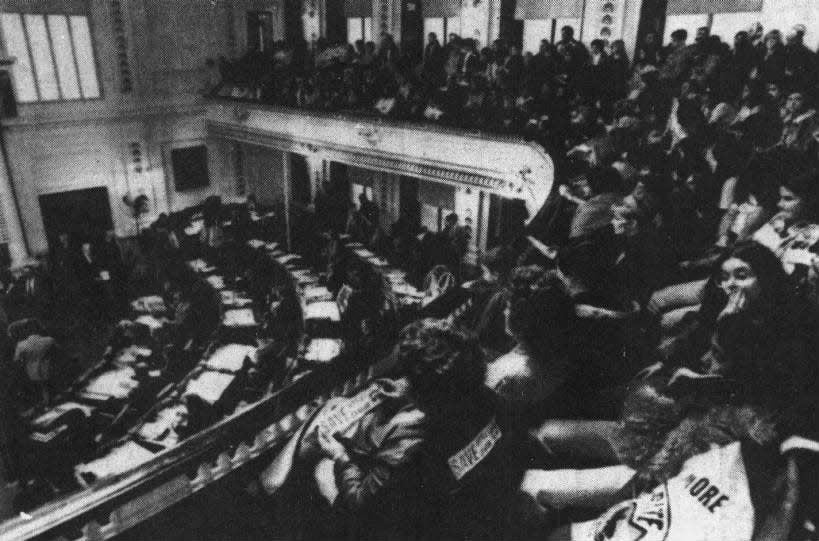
(251, 422)
(353, 115)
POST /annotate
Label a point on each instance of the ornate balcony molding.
(509, 167)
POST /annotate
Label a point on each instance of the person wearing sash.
(472, 459)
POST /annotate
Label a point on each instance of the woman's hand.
(737, 301)
(330, 446)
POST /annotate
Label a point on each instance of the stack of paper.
(378, 261)
(322, 310)
(322, 350)
(209, 386)
(120, 459)
(270, 246)
(118, 383)
(255, 243)
(231, 357)
(363, 253)
(241, 317)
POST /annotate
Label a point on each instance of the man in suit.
(28, 295)
(94, 281)
(470, 60)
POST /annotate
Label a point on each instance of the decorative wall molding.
(126, 80)
(508, 167)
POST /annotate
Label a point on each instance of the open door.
(83, 214)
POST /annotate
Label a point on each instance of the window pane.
(24, 85)
(368, 29)
(434, 24)
(353, 29)
(41, 54)
(84, 50)
(61, 40)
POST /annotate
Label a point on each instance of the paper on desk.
(149, 321)
(363, 253)
(149, 304)
(378, 261)
(167, 419)
(209, 386)
(241, 317)
(255, 243)
(406, 290)
(218, 282)
(119, 460)
(117, 383)
(231, 357)
(287, 258)
(322, 350)
(317, 292)
(270, 246)
(322, 310)
(195, 228)
(55, 412)
(198, 265)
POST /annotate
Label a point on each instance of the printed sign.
(475, 451)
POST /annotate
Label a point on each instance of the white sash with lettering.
(476, 450)
(341, 417)
(708, 501)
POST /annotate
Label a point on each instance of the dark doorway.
(259, 31)
(300, 177)
(336, 22)
(507, 218)
(339, 179)
(83, 214)
(412, 30)
(408, 199)
(652, 20)
(511, 29)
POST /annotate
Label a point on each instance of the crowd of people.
(641, 360)
(647, 346)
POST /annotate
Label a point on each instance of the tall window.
(359, 28)
(55, 56)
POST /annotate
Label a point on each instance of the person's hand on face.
(741, 285)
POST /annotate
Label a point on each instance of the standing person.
(579, 53)
(63, 277)
(111, 258)
(434, 58)
(90, 279)
(28, 295)
(649, 53)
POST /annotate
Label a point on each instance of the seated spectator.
(537, 317)
(799, 124)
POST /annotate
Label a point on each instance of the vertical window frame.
(36, 79)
